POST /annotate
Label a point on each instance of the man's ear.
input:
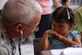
(19, 27)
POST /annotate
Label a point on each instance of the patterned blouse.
(57, 44)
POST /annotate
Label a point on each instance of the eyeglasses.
(24, 25)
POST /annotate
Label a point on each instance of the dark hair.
(63, 14)
(63, 1)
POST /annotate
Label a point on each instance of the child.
(60, 35)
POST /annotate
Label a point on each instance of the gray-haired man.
(18, 17)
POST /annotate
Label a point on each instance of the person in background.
(45, 22)
(66, 3)
(18, 19)
(60, 35)
(78, 20)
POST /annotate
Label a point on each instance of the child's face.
(61, 28)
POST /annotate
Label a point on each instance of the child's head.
(63, 16)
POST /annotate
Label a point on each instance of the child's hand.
(54, 33)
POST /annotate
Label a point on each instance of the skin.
(67, 3)
(13, 31)
(57, 3)
(61, 30)
(81, 36)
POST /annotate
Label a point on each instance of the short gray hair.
(20, 10)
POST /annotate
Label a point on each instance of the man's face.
(13, 31)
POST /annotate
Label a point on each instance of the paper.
(67, 51)
(56, 51)
(72, 51)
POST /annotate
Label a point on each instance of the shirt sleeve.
(75, 32)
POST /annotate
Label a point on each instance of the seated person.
(18, 19)
(60, 35)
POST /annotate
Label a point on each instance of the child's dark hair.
(63, 14)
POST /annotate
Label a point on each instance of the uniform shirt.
(57, 44)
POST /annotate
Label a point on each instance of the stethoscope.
(20, 39)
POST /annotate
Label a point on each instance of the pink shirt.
(45, 4)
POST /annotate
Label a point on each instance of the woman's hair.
(63, 14)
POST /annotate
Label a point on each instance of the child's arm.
(45, 42)
(75, 41)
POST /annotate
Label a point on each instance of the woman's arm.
(57, 3)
